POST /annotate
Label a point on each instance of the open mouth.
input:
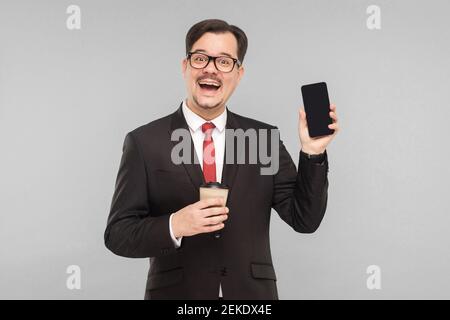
(209, 85)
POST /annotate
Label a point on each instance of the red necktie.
(209, 154)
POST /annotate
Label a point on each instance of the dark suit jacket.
(150, 187)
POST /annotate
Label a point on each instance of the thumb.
(302, 118)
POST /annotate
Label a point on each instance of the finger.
(332, 107)
(334, 126)
(302, 118)
(213, 228)
(209, 203)
(214, 211)
(215, 220)
(333, 115)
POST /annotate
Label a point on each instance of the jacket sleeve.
(131, 230)
(300, 197)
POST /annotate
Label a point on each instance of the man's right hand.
(203, 216)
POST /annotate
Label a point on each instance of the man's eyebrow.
(221, 54)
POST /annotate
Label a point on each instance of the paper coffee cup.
(214, 190)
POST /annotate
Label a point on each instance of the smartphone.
(317, 108)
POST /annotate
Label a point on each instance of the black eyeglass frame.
(235, 61)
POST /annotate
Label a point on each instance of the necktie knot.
(207, 128)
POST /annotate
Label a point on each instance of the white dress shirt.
(195, 122)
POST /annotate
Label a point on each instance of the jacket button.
(217, 236)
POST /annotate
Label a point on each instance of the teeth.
(209, 83)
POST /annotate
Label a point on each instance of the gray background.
(67, 99)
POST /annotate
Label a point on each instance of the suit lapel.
(193, 169)
(229, 171)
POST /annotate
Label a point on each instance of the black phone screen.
(317, 108)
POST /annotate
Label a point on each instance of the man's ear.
(183, 66)
(241, 72)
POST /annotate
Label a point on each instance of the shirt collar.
(194, 121)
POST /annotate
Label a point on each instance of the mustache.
(210, 77)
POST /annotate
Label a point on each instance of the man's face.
(201, 94)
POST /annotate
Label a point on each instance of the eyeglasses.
(223, 63)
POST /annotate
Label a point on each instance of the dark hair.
(216, 26)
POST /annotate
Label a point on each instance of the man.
(208, 249)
